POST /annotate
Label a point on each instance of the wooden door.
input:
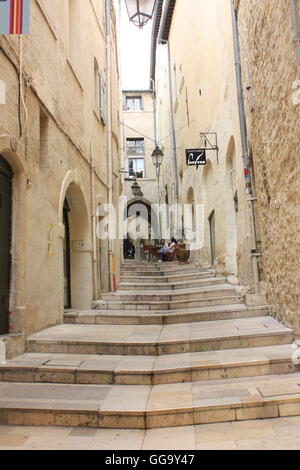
(6, 176)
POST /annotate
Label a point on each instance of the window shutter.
(102, 97)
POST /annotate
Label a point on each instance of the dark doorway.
(67, 257)
(212, 230)
(6, 176)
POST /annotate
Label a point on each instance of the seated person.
(128, 249)
(166, 250)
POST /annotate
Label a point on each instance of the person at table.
(167, 250)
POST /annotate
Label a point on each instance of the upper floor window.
(133, 103)
(135, 147)
(136, 167)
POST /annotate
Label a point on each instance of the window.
(102, 96)
(133, 103)
(136, 167)
(96, 84)
(135, 147)
(175, 87)
(100, 92)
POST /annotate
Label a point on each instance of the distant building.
(138, 145)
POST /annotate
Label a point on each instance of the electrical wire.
(153, 140)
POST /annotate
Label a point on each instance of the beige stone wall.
(268, 58)
(60, 84)
(205, 100)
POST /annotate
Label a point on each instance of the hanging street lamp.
(157, 158)
(136, 189)
(140, 11)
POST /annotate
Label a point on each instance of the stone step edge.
(97, 303)
(161, 348)
(163, 318)
(190, 373)
(155, 276)
(169, 294)
(234, 410)
(214, 281)
(193, 289)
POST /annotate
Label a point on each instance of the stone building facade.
(197, 107)
(138, 145)
(249, 237)
(270, 64)
(59, 147)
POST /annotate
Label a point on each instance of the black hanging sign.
(196, 157)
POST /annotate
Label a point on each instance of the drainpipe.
(109, 138)
(244, 138)
(154, 98)
(21, 87)
(94, 235)
(296, 33)
(154, 109)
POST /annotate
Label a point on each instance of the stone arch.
(148, 213)
(75, 230)
(231, 208)
(9, 149)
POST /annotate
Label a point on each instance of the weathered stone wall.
(205, 100)
(268, 52)
(44, 172)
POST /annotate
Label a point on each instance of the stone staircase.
(175, 345)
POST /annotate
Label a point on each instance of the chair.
(147, 251)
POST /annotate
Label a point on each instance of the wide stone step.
(169, 295)
(121, 317)
(156, 340)
(149, 370)
(163, 269)
(158, 286)
(165, 305)
(166, 278)
(149, 406)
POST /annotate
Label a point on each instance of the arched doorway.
(142, 224)
(77, 251)
(67, 257)
(6, 176)
(208, 178)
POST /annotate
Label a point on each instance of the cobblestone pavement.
(267, 434)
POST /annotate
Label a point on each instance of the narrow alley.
(149, 201)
